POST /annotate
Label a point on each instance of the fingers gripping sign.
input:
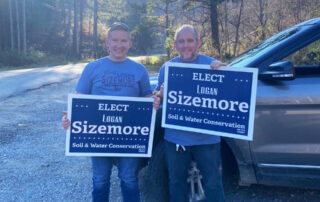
(215, 65)
(156, 102)
(65, 121)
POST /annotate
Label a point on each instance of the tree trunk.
(226, 19)
(81, 26)
(24, 27)
(167, 25)
(90, 33)
(95, 34)
(237, 28)
(75, 40)
(18, 26)
(68, 31)
(263, 18)
(214, 25)
(11, 26)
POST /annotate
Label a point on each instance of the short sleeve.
(160, 78)
(85, 82)
(145, 88)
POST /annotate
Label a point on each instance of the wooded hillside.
(75, 29)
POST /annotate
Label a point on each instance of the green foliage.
(142, 38)
(113, 10)
(14, 58)
(152, 63)
(169, 44)
(10, 60)
(50, 26)
(170, 40)
(310, 55)
(153, 60)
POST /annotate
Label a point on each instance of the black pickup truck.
(286, 143)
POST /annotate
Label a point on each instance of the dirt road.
(33, 164)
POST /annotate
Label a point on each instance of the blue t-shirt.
(105, 77)
(181, 137)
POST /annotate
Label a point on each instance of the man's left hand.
(156, 102)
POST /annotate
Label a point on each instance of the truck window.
(307, 59)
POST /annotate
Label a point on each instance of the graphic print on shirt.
(117, 81)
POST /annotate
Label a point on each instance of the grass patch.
(11, 60)
(152, 63)
(153, 68)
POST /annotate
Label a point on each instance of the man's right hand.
(65, 121)
(215, 65)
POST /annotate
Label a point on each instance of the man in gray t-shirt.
(181, 146)
(115, 75)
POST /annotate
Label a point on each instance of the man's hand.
(159, 93)
(215, 65)
(161, 90)
(65, 121)
(156, 102)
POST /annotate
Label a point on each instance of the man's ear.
(199, 43)
(106, 43)
(174, 45)
(130, 44)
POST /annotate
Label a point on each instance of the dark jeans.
(127, 172)
(207, 158)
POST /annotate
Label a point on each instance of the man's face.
(187, 45)
(118, 43)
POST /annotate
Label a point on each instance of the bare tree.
(24, 27)
(75, 38)
(18, 26)
(212, 10)
(263, 17)
(226, 29)
(67, 31)
(82, 2)
(237, 25)
(95, 29)
(165, 8)
(214, 24)
(11, 25)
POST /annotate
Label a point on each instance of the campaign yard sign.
(215, 102)
(110, 126)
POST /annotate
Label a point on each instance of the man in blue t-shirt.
(181, 145)
(115, 75)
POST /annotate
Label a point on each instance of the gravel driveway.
(32, 142)
(35, 168)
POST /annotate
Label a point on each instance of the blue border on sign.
(232, 89)
(116, 112)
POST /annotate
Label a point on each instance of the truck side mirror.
(283, 70)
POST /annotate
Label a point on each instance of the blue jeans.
(207, 158)
(127, 172)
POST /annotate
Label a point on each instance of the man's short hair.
(189, 27)
(117, 26)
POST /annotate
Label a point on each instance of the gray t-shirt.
(105, 77)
